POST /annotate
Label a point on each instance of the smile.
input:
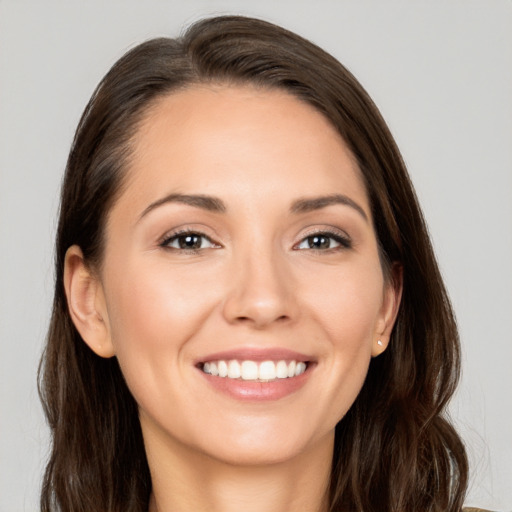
(263, 371)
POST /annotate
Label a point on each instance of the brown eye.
(319, 242)
(191, 241)
(188, 241)
(324, 241)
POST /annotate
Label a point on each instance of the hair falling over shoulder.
(395, 450)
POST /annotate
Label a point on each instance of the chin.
(264, 447)
(256, 455)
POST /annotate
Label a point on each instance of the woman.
(248, 313)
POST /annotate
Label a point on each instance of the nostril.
(261, 321)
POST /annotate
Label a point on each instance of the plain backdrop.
(441, 73)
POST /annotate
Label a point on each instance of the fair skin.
(266, 271)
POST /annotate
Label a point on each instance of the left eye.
(323, 241)
(188, 241)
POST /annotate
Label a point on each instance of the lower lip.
(256, 390)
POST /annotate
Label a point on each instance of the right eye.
(189, 241)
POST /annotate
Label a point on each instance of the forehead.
(219, 139)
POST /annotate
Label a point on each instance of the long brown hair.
(394, 449)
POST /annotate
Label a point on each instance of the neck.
(183, 480)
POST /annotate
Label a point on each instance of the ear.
(86, 303)
(389, 310)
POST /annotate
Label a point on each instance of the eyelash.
(342, 239)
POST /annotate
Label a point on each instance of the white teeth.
(252, 370)
(249, 370)
(267, 370)
(223, 369)
(300, 368)
(213, 369)
(234, 370)
(282, 370)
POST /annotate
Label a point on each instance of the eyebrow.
(305, 205)
(214, 204)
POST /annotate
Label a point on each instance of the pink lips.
(256, 390)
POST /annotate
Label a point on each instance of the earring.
(379, 343)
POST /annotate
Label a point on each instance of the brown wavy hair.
(394, 450)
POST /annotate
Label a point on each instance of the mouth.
(255, 374)
(256, 371)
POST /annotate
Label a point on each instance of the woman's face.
(243, 244)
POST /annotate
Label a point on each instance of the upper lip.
(256, 354)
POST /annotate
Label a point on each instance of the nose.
(261, 292)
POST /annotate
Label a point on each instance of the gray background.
(441, 72)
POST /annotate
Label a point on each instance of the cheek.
(153, 312)
(347, 315)
(154, 298)
(348, 308)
